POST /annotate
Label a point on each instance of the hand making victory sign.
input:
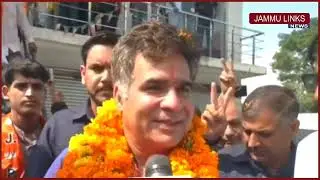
(214, 115)
(228, 77)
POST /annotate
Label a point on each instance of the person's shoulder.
(311, 137)
(4, 117)
(69, 114)
(5, 121)
(309, 143)
(233, 155)
(234, 150)
(235, 162)
(56, 165)
(63, 153)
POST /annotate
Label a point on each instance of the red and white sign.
(279, 18)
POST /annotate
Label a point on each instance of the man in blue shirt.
(95, 76)
(270, 125)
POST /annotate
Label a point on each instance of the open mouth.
(258, 155)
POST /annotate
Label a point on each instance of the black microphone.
(158, 165)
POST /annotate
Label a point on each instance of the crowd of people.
(139, 87)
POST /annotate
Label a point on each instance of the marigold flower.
(102, 150)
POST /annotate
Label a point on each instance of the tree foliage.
(298, 50)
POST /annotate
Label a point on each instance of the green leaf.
(298, 51)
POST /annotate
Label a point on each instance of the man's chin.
(257, 157)
(30, 112)
(166, 141)
(100, 99)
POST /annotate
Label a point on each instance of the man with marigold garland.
(153, 69)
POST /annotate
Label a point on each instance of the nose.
(171, 101)
(29, 91)
(253, 140)
(105, 76)
(229, 132)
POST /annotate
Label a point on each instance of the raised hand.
(228, 77)
(214, 115)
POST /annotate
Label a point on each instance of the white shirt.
(12, 17)
(306, 163)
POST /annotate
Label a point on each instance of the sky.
(270, 44)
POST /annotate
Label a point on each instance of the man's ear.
(5, 91)
(295, 126)
(82, 72)
(116, 92)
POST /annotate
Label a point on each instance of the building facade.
(62, 28)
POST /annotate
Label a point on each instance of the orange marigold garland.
(102, 150)
(187, 37)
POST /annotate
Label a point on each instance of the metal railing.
(216, 38)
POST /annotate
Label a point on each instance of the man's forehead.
(265, 119)
(103, 61)
(174, 66)
(99, 54)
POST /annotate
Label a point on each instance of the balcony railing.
(217, 39)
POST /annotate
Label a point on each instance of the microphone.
(158, 165)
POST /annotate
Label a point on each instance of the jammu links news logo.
(293, 20)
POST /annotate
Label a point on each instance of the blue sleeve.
(56, 165)
(41, 156)
(38, 162)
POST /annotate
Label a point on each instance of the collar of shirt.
(241, 156)
(30, 139)
(83, 113)
(285, 171)
(216, 145)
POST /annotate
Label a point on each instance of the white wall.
(234, 16)
(308, 121)
(258, 81)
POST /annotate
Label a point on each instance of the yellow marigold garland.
(102, 150)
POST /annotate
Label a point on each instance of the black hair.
(102, 38)
(26, 68)
(281, 100)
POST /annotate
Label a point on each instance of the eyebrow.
(162, 81)
(96, 64)
(259, 130)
